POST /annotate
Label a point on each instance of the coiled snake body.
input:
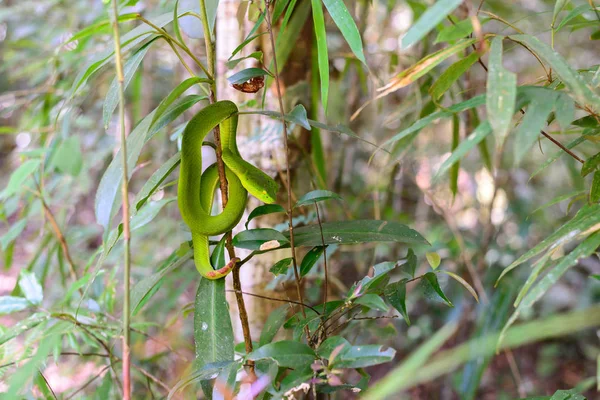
(196, 189)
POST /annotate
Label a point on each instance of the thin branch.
(276, 299)
(89, 382)
(287, 157)
(125, 199)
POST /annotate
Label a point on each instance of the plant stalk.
(125, 199)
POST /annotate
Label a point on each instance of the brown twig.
(276, 299)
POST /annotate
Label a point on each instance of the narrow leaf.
(273, 323)
(460, 280)
(281, 266)
(501, 93)
(428, 20)
(19, 177)
(451, 75)
(30, 287)
(265, 209)
(310, 259)
(342, 18)
(323, 57)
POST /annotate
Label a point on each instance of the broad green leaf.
(433, 259)
(112, 96)
(411, 263)
(260, 239)
(590, 164)
(286, 353)
(363, 356)
(67, 158)
(585, 248)
(156, 180)
(456, 31)
(147, 213)
(213, 332)
(501, 93)
(322, 54)
(397, 378)
(460, 280)
(11, 304)
(19, 177)
(217, 257)
(564, 110)
(316, 196)
(586, 218)
(395, 294)
(273, 323)
(430, 279)
(595, 189)
(310, 259)
(140, 293)
(246, 74)
(372, 301)
(265, 209)
(281, 266)
(534, 121)
(463, 148)
(15, 230)
(379, 278)
(342, 18)
(571, 78)
(357, 231)
(428, 20)
(422, 67)
(30, 287)
(451, 75)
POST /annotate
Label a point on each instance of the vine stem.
(125, 199)
(237, 285)
(287, 155)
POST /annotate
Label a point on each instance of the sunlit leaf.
(19, 176)
(342, 18)
(433, 259)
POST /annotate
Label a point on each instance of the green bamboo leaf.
(13, 233)
(564, 110)
(595, 189)
(456, 31)
(451, 75)
(257, 55)
(571, 78)
(30, 287)
(344, 21)
(501, 93)
(67, 158)
(397, 378)
(23, 326)
(428, 20)
(574, 13)
(99, 27)
(534, 121)
(213, 332)
(558, 7)
(422, 67)
(155, 180)
(296, 116)
(323, 57)
(463, 148)
(11, 304)
(586, 218)
(455, 169)
(19, 176)
(585, 248)
(395, 294)
(112, 96)
(425, 121)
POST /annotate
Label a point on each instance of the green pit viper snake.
(195, 191)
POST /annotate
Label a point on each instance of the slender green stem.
(287, 159)
(124, 194)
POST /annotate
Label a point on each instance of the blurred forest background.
(61, 254)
